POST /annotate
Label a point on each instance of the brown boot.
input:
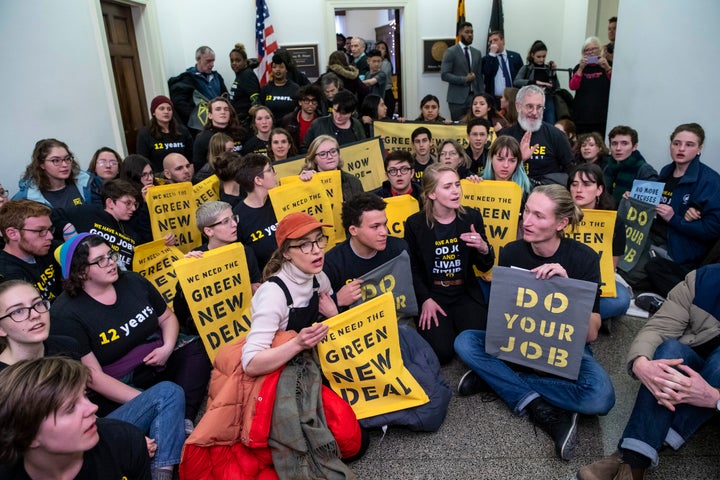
(638, 473)
(608, 468)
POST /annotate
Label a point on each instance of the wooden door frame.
(409, 61)
(147, 33)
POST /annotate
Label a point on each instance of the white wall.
(362, 23)
(664, 73)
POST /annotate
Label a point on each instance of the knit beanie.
(157, 101)
(64, 253)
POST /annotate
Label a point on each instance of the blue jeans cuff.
(642, 448)
(522, 404)
(674, 439)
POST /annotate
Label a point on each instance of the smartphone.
(592, 60)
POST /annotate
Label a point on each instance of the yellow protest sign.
(398, 209)
(289, 168)
(397, 136)
(207, 191)
(154, 261)
(596, 231)
(308, 197)
(499, 203)
(361, 359)
(330, 181)
(365, 161)
(172, 210)
(218, 292)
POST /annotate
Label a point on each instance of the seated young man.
(400, 176)
(552, 403)
(625, 163)
(676, 356)
(369, 246)
(422, 142)
(50, 429)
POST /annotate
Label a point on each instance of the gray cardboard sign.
(541, 324)
(392, 276)
(638, 217)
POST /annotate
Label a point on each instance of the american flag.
(264, 41)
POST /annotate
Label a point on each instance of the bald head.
(177, 168)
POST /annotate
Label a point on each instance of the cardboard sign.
(172, 210)
(541, 324)
(218, 292)
(290, 167)
(499, 203)
(330, 181)
(397, 136)
(207, 191)
(308, 197)
(365, 160)
(155, 261)
(392, 276)
(596, 231)
(362, 361)
(398, 210)
(647, 191)
(638, 217)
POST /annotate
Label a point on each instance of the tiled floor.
(483, 440)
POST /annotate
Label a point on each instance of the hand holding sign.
(549, 270)
(349, 293)
(665, 211)
(311, 336)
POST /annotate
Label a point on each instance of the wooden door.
(390, 34)
(125, 61)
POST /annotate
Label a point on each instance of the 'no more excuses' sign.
(541, 324)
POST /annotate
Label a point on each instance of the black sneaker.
(560, 424)
(471, 383)
(650, 302)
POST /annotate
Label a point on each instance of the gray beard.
(531, 125)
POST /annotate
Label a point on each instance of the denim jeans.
(650, 424)
(614, 307)
(591, 394)
(159, 412)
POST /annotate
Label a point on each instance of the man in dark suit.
(462, 69)
(499, 66)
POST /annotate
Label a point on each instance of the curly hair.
(73, 285)
(35, 173)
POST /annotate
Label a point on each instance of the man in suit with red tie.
(462, 68)
(499, 66)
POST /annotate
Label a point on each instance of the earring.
(597, 200)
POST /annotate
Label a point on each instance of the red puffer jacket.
(230, 442)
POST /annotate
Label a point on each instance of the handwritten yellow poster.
(218, 292)
(154, 261)
(596, 231)
(330, 181)
(207, 191)
(398, 209)
(308, 197)
(365, 161)
(361, 359)
(499, 203)
(397, 136)
(172, 210)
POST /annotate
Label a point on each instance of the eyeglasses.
(129, 203)
(591, 50)
(328, 153)
(307, 247)
(398, 171)
(270, 169)
(533, 108)
(3, 192)
(309, 100)
(225, 221)
(21, 314)
(107, 163)
(103, 262)
(57, 160)
(40, 231)
(147, 175)
(450, 153)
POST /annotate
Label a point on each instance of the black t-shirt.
(256, 229)
(279, 99)
(420, 168)
(111, 331)
(120, 454)
(44, 274)
(94, 219)
(579, 261)
(67, 197)
(342, 265)
(553, 154)
(156, 149)
(202, 145)
(255, 145)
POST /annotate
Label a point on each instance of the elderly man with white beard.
(550, 158)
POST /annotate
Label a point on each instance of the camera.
(592, 59)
